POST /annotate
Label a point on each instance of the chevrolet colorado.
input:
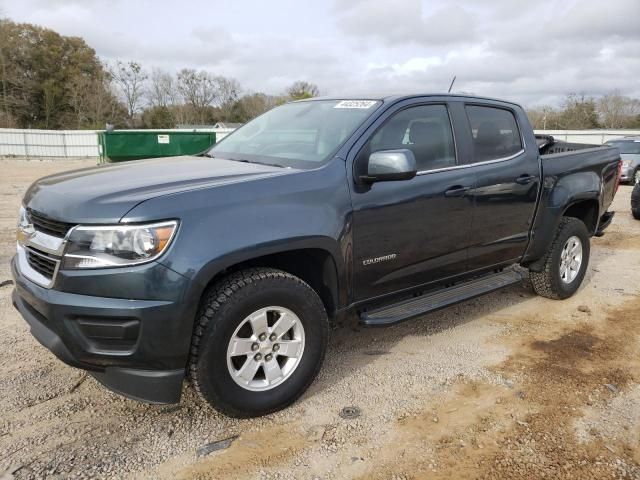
(226, 268)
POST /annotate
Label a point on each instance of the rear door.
(411, 232)
(507, 184)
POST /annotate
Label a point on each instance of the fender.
(558, 195)
(223, 226)
(217, 266)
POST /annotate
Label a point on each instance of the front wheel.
(259, 342)
(565, 262)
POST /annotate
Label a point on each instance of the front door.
(412, 232)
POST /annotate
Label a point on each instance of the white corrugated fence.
(84, 143)
(595, 137)
(66, 143)
(49, 143)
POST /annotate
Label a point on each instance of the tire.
(548, 282)
(635, 201)
(227, 311)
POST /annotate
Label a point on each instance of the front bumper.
(138, 348)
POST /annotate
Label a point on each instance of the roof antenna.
(452, 82)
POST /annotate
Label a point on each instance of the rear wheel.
(259, 342)
(565, 262)
(635, 201)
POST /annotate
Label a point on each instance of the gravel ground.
(509, 385)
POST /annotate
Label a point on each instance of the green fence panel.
(122, 145)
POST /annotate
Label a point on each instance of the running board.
(429, 302)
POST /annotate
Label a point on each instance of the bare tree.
(93, 101)
(301, 89)
(162, 89)
(3, 72)
(617, 111)
(6, 119)
(198, 89)
(545, 117)
(228, 94)
(130, 79)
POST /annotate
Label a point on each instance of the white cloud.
(531, 52)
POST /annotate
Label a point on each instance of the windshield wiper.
(244, 160)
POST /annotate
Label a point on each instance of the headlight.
(117, 245)
(626, 163)
(25, 229)
(23, 220)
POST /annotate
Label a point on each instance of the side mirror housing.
(389, 165)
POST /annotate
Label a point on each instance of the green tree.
(579, 112)
(158, 117)
(38, 68)
(251, 105)
(300, 90)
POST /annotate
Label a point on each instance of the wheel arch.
(315, 264)
(585, 210)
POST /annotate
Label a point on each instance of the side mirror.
(387, 165)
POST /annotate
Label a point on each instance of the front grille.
(47, 225)
(41, 263)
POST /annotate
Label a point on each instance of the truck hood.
(103, 194)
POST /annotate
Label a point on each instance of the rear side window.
(424, 129)
(495, 133)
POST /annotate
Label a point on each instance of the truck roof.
(403, 96)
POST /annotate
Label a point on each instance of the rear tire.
(238, 322)
(563, 272)
(635, 201)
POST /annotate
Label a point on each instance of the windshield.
(299, 134)
(627, 147)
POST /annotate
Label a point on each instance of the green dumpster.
(122, 145)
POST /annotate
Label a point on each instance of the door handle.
(457, 191)
(524, 179)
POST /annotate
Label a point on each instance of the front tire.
(565, 262)
(259, 342)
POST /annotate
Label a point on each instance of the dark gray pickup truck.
(227, 268)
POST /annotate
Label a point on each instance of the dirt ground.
(508, 385)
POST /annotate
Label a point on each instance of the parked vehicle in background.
(635, 201)
(630, 153)
(227, 268)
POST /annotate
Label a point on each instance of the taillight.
(618, 176)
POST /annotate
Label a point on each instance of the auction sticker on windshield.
(355, 104)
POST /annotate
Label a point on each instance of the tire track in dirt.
(526, 430)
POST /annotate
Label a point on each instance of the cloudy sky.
(533, 52)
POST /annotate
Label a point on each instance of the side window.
(495, 132)
(425, 130)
